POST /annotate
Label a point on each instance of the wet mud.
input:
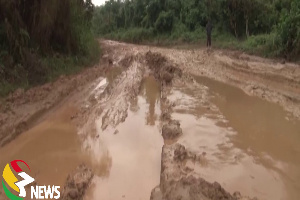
(147, 126)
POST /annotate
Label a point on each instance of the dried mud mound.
(191, 188)
(171, 130)
(162, 69)
(178, 182)
(77, 183)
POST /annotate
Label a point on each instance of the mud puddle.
(132, 150)
(51, 149)
(250, 145)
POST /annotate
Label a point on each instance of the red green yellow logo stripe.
(11, 179)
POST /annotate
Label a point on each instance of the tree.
(247, 6)
(288, 30)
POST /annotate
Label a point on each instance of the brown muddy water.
(132, 150)
(51, 149)
(251, 145)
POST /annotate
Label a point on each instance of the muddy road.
(161, 123)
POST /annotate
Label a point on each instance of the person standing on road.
(208, 33)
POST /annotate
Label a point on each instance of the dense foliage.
(269, 24)
(39, 39)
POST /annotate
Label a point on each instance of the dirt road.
(162, 123)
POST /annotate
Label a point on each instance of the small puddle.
(252, 146)
(132, 149)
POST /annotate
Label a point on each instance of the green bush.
(134, 35)
(288, 31)
(257, 41)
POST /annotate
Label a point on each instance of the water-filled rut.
(250, 145)
(133, 148)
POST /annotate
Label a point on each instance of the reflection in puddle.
(253, 148)
(134, 149)
(151, 91)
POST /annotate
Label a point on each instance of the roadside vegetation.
(264, 27)
(41, 40)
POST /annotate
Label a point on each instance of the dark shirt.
(209, 28)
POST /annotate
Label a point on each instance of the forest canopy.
(273, 25)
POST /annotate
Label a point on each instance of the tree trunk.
(233, 24)
(247, 28)
(235, 32)
(247, 8)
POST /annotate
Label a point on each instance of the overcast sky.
(98, 2)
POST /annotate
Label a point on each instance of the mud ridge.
(77, 183)
(111, 105)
